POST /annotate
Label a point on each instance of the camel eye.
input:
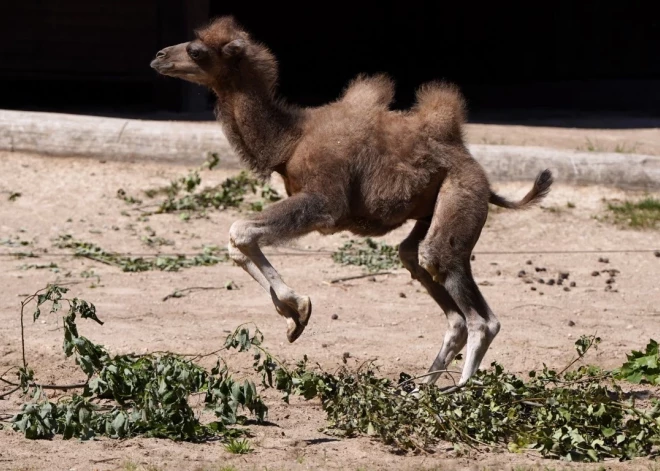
(197, 51)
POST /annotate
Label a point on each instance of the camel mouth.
(160, 66)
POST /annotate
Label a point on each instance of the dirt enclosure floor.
(389, 318)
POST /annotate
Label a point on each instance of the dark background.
(530, 62)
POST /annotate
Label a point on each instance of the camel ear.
(234, 48)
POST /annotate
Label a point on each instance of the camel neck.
(262, 131)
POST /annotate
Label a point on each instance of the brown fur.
(354, 165)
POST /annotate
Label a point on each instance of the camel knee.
(484, 330)
(457, 325)
(437, 270)
(235, 253)
(240, 235)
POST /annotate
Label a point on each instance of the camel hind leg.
(458, 219)
(456, 334)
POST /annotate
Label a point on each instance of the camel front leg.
(285, 220)
(248, 265)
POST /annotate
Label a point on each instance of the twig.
(3, 379)
(533, 304)
(177, 293)
(8, 393)
(429, 374)
(58, 386)
(48, 386)
(355, 277)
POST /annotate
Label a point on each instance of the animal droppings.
(334, 317)
(571, 323)
(521, 273)
(551, 282)
(604, 260)
(566, 288)
(573, 284)
(528, 262)
(595, 273)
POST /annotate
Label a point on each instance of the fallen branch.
(355, 277)
(178, 293)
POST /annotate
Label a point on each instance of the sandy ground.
(390, 318)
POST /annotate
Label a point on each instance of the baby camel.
(358, 166)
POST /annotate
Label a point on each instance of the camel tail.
(539, 191)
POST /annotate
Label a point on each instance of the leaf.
(608, 432)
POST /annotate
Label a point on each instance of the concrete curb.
(187, 143)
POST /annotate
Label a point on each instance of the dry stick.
(200, 288)
(3, 379)
(355, 277)
(429, 374)
(533, 304)
(8, 393)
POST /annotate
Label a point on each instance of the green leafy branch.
(211, 255)
(129, 395)
(367, 253)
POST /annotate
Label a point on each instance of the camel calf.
(354, 165)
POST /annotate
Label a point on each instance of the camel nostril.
(160, 54)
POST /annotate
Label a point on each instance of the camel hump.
(369, 91)
(441, 105)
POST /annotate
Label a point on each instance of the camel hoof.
(297, 325)
(305, 310)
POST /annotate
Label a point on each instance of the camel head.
(221, 57)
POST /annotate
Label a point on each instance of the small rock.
(521, 273)
(572, 284)
(566, 288)
(551, 282)
(372, 278)
(498, 272)
(604, 260)
(334, 317)
(657, 253)
(402, 295)
(630, 326)
(528, 262)
(541, 293)
(571, 323)
(472, 257)
(533, 288)
(420, 336)
(570, 335)
(595, 273)
(542, 281)
(324, 345)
